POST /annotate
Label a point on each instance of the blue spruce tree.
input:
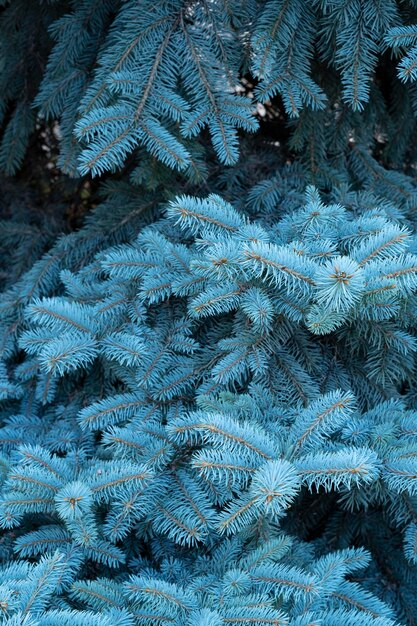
(208, 313)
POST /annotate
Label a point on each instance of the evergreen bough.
(208, 384)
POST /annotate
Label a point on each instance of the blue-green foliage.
(208, 389)
(177, 403)
(148, 77)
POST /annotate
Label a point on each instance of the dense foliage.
(208, 374)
